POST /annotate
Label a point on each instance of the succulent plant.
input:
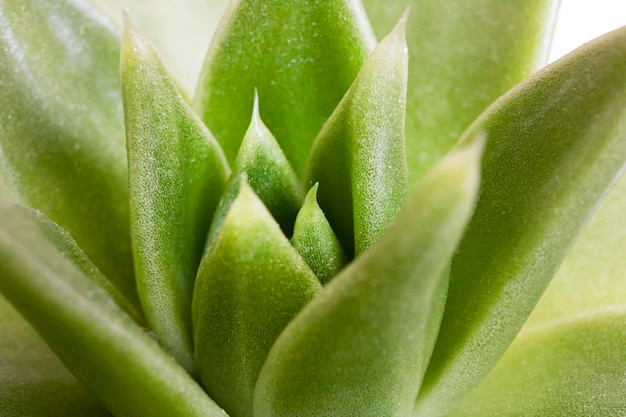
(327, 226)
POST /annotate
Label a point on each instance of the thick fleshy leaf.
(301, 56)
(96, 340)
(61, 130)
(181, 30)
(464, 55)
(572, 367)
(177, 173)
(359, 156)
(251, 283)
(268, 172)
(556, 144)
(315, 240)
(361, 346)
(33, 382)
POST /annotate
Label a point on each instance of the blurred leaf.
(556, 144)
(250, 285)
(177, 172)
(33, 383)
(181, 30)
(99, 343)
(360, 347)
(61, 130)
(315, 240)
(573, 367)
(359, 156)
(302, 56)
(268, 172)
(464, 55)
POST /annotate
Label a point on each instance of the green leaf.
(181, 30)
(302, 56)
(315, 240)
(359, 156)
(572, 367)
(360, 347)
(33, 382)
(61, 130)
(268, 172)
(177, 173)
(96, 340)
(250, 285)
(464, 55)
(556, 144)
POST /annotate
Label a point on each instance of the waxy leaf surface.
(464, 55)
(301, 56)
(573, 367)
(359, 156)
(368, 332)
(556, 144)
(251, 283)
(177, 172)
(96, 340)
(61, 130)
(315, 241)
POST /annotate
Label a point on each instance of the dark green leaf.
(251, 283)
(359, 156)
(315, 240)
(177, 172)
(61, 130)
(556, 144)
(301, 55)
(96, 340)
(361, 346)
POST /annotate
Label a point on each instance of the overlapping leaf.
(464, 55)
(301, 56)
(101, 345)
(177, 173)
(61, 130)
(556, 144)
(251, 283)
(361, 346)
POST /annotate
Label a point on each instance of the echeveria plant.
(322, 224)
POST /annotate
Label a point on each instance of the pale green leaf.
(95, 339)
(464, 55)
(61, 134)
(268, 172)
(33, 382)
(359, 156)
(361, 346)
(572, 367)
(315, 241)
(177, 173)
(251, 283)
(181, 30)
(556, 144)
(301, 55)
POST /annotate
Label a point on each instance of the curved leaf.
(361, 346)
(556, 144)
(181, 30)
(61, 133)
(250, 285)
(359, 156)
(464, 55)
(177, 172)
(300, 55)
(99, 343)
(574, 367)
(33, 382)
(315, 240)
(268, 172)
